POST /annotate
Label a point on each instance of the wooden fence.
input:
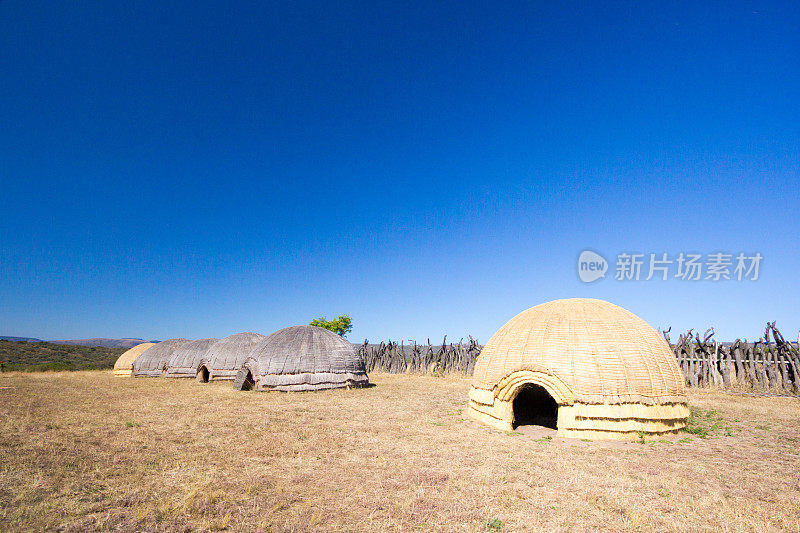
(397, 358)
(769, 364)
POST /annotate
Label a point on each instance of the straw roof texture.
(302, 358)
(585, 353)
(187, 358)
(153, 361)
(226, 356)
(123, 367)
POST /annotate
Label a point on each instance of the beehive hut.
(588, 368)
(123, 367)
(153, 361)
(190, 360)
(227, 355)
(302, 358)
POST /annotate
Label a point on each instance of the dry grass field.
(87, 451)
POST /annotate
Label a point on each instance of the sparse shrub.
(494, 524)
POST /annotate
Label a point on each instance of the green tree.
(342, 325)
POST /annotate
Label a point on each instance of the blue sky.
(195, 169)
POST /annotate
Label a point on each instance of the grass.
(86, 451)
(708, 423)
(494, 524)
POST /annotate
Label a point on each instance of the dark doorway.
(533, 406)
(248, 382)
(202, 374)
(244, 380)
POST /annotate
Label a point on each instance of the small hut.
(153, 361)
(227, 355)
(190, 360)
(588, 368)
(123, 368)
(302, 358)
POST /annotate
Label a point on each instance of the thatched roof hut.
(586, 367)
(123, 367)
(153, 361)
(226, 356)
(189, 360)
(302, 358)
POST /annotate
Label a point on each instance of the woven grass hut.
(302, 358)
(588, 368)
(190, 360)
(154, 360)
(226, 356)
(123, 367)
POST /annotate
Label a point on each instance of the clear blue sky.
(197, 169)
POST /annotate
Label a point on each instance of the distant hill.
(105, 343)
(17, 339)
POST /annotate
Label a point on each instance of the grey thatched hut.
(302, 358)
(190, 360)
(226, 356)
(153, 361)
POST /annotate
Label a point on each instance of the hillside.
(35, 356)
(126, 343)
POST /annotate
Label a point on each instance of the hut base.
(148, 374)
(180, 373)
(311, 381)
(128, 373)
(298, 382)
(349, 384)
(624, 421)
(222, 375)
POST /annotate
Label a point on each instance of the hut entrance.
(533, 406)
(244, 379)
(202, 374)
(248, 382)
